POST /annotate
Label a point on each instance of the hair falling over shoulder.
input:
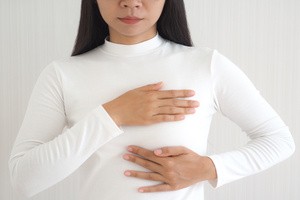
(172, 25)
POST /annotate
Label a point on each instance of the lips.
(130, 20)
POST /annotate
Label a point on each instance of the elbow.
(22, 189)
(19, 183)
(289, 145)
(292, 146)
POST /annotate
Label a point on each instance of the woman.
(130, 111)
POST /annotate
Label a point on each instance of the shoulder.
(90, 55)
(214, 61)
(194, 50)
(195, 54)
(72, 63)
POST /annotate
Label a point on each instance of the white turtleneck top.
(66, 129)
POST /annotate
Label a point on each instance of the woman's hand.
(175, 167)
(148, 105)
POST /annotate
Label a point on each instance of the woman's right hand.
(148, 105)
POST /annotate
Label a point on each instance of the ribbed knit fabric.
(66, 129)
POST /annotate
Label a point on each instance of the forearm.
(258, 155)
(36, 165)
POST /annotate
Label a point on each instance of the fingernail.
(191, 92)
(191, 110)
(195, 103)
(129, 149)
(127, 173)
(181, 117)
(158, 151)
(141, 190)
(126, 157)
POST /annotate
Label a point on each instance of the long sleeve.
(46, 150)
(238, 99)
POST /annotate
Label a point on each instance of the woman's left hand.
(175, 167)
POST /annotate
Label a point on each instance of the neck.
(130, 40)
(141, 48)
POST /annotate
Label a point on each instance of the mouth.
(130, 20)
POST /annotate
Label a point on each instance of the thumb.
(170, 151)
(155, 86)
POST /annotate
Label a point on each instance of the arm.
(237, 99)
(44, 152)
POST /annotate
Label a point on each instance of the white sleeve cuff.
(219, 181)
(107, 121)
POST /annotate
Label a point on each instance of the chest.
(92, 85)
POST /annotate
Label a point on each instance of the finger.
(167, 118)
(140, 151)
(150, 87)
(179, 103)
(168, 110)
(144, 153)
(145, 163)
(170, 94)
(156, 188)
(171, 151)
(145, 175)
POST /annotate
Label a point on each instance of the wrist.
(109, 109)
(211, 169)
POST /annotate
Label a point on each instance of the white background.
(261, 36)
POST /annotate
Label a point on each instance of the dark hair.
(172, 25)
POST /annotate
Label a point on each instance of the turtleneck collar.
(132, 50)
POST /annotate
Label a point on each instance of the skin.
(113, 11)
(149, 105)
(175, 167)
